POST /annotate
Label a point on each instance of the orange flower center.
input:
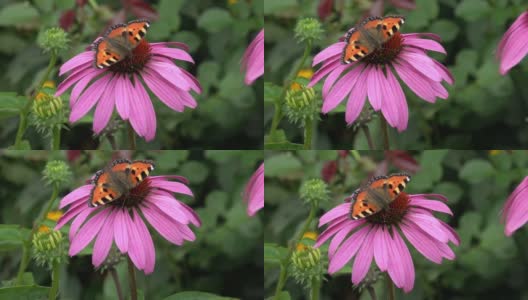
(387, 53)
(392, 214)
(135, 61)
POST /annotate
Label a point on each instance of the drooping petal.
(431, 204)
(163, 224)
(122, 96)
(173, 53)
(170, 206)
(348, 249)
(356, 101)
(329, 52)
(82, 83)
(166, 93)
(136, 251)
(77, 61)
(72, 212)
(88, 99)
(398, 103)
(176, 187)
(146, 241)
(425, 44)
(338, 211)
(403, 267)
(79, 194)
(78, 221)
(363, 258)
(87, 232)
(429, 224)
(374, 78)
(103, 242)
(381, 248)
(142, 114)
(341, 89)
(120, 230)
(513, 46)
(105, 107)
(339, 237)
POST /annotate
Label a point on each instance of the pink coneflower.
(515, 212)
(253, 59)
(122, 222)
(374, 76)
(514, 44)
(122, 85)
(379, 236)
(254, 193)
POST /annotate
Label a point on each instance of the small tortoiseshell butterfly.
(370, 35)
(113, 182)
(118, 42)
(377, 195)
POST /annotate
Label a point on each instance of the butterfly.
(118, 42)
(370, 35)
(377, 195)
(117, 180)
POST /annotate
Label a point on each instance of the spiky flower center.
(388, 51)
(394, 213)
(135, 61)
(135, 196)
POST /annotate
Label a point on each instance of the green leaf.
(271, 92)
(282, 164)
(17, 13)
(448, 30)
(284, 295)
(476, 170)
(278, 141)
(472, 10)
(12, 237)
(195, 171)
(272, 6)
(197, 296)
(274, 254)
(29, 292)
(11, 104)
(214, 20)
(452, 191)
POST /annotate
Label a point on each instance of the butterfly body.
(369, 36)
(117, 180)
(118, 42)
(379, 193)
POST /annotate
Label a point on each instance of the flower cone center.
(135, 61)
(394, 213)
(135, 196)
(388, 51)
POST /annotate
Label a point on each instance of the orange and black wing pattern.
(356, 48)
(103, 192)
(133, 33)
(139, 170)
(363, 206)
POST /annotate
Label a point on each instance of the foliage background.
(225, 259)
(484, 109)
(217, 33)
(488, 264)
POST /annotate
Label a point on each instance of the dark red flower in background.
(324, 9)
(67, 19)
(329, 171)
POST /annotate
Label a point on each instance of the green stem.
(112, 141)
(55, 144)
(372, 292)
(278, 104)
(385, 132)
(308, 133)
(24, 113)
(27, 244)
(54, 282)
(366, 131)
(131, 137)
(356, 155)
(316, 289)
(284, 266)
(390, 288)
(115, 277)
(132, 279)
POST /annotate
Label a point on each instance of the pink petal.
(381, 248)
(363, 258)
(329, 52)
(332, 77)
(422, 63)
(513, 46)
(175, 187)
(79, 194)
(341, 235)
(433, 36)
(72, 212)
(74, 77)
(77, 61)
(142, 117)
(356, 101)
(79, 220)
(429, 224)
(348, 249)
(419, 84)
(82, 83)
(373, 76)
(323, 71)
(146, 241)
(168, 71)
(422, 242)
(136, 251)
(165, 92)
(338, 211)
(169, 206)
(122, 96)
(103, 242)
(166, 44)
(402, 265)
(164, 225)
(341, 89)
(173, 53)
(88, 232)
(120, 230)
(89, 98)
(432, 205)
(425, 44)
(105, 107)
(396, 102)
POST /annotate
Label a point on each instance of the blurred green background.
(229, 113)
(225, 259)
(484, 109)
(488, 264)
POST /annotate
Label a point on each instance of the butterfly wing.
(103, 192)
(137, 30)
(139, 170)
(390, 25)
(396, 183)
(363, 205)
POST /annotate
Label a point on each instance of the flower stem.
(278, 104)
(132, 279)
(385, 132)
(308, 133)
(372, 293)
(390, 288)
(284, 265)
(131, 137)
(115, 277)
(22, 126)
(27, 244)
(54, 282)
(112, 141)
(315, 290)
(366, 131)
(55, 144)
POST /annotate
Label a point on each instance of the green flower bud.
(47, 106)
(49, 247)
(57, 172)
(53, 40)
(301, 105)
(314, 191)
(308, 29)
(306, 262)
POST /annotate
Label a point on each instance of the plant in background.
(254, 192)
(371, 75)
(119, 221)
(253, 60)
(118, 82)
(514, 212)
(512, 47)
(378, 237)
(307, 266)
